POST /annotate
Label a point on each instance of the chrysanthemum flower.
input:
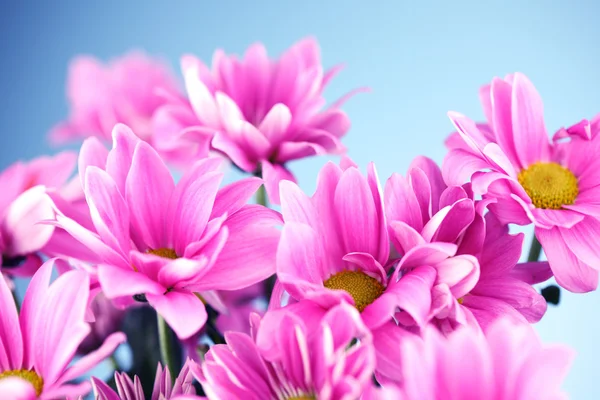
(298, 353)
(128, 90)
(162, 243)
(529, 180)
(475, 257)
(335, 247)
(23, 204)
(39, 344)
(164, 389)
(507, 363)
(264, 112)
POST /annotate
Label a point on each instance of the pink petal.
(200, 97)
(531, 139)
(401, 203)
(273, 174)
(459, 165)
(427, 254)
(367, 264)
(233, 196)
(184, 312)
(532, 272)
(92, 153)
(103, 391)
(17, 389)
(501, 99)
(119, 158)
(149, 186)
(569, 271)
(404, 237)
(119, 282)
(108, 209)
(275, 124)
(434, 174)
(581, 240)
(460, 273)
(11, 341)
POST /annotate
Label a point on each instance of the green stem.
(535, 250)
(113, 362)
(261, 196)
(166, 345)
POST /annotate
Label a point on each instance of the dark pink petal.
(532, 272)
(149, 186)
(103, 391)
(184, 312)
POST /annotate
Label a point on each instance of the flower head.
(335, 248)
(475, 257)
(527, 179)
(127, 90)
(38, 345)
(262, 112)
(23, 204)
(165, 243)
(164, 389)
(506, 363)
(298, 353)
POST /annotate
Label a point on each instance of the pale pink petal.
(92, 153)
(184, 312)
(275, 124)
(460, 273)
(459, 165)
(21, 227)
(149, 186)
(17, 389)
(200, 97)
(580, 239)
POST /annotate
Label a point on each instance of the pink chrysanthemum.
(335, 247)
(298, 353)
(38, 344)
(527, 179)
(23, 204)
(164, 389)
(127, 90)
(164, 243)
(507, 363)
(262, 112)
(475, 257)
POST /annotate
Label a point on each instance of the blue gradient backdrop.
(421, 59)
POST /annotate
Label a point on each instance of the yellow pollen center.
(164, 252)
(302, 397)
(28, 375)
(549, 185)
(363, 288)
(460, 300)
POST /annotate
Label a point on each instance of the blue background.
(420, 59)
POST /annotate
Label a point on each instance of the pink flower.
(529, 180)
(107, 320)
(262, 112)
(128, 90)
(335, 248)
(129, 389)
(475, 257)
(39, 344)
(299, 352)
(23, 204)
(239, 305)
(164, 243)
(507, 363)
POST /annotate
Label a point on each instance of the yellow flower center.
(28, 375)
(302, 398)
(549, 185)
(363, 288)
(164, 252)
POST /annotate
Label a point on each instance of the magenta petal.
(532, 272)
(103, 391)
(569, 271)
(118, 282)
(367, 264)
(581, 240)
(401, 203)
(427, 254)
(434, 174)
(300, 254)
(405, 237)
(149, 186)
(183, 311)
(460, 273)
(413, 293)
(273, 174)
(181, 270)
(92, 153)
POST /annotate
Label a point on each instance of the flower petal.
(183, 311)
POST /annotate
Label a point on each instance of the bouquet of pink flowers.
(255, 290)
